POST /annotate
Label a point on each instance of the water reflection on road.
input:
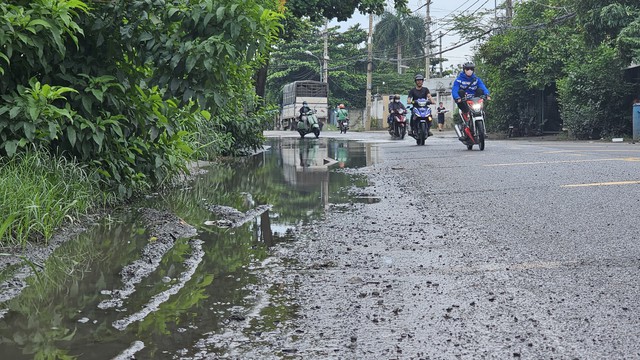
(57, 316)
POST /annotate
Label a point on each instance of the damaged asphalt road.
(524, 250)
(495, 254)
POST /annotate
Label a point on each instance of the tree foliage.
(402, 35)
(580, 48)
(122, 85)
(347, 63)
(339, 9)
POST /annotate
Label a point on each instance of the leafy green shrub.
(32, 116)
(592, 95)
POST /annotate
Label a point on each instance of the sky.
(440, 11)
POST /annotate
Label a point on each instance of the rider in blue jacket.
(467, 84)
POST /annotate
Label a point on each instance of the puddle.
(201, 285)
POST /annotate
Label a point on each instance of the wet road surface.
(370, 249)
(528, 249)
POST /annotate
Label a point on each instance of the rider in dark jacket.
(395, 106)
(418, 92)
(467, 84)
(304, 109)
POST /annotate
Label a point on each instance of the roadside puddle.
(164, 278)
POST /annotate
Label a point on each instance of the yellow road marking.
(564, 161)
(605, 183)
(589, 150)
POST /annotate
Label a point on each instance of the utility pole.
(440, 36)
(427, 61)
(509, 14)
(325, 53)
(367, 120)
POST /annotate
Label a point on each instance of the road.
(529, 249)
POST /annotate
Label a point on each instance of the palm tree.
(400, 33)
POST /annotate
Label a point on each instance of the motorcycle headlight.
(477, 107)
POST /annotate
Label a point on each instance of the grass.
(39, 193)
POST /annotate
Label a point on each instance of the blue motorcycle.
(422, 119)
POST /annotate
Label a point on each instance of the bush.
(592, 95)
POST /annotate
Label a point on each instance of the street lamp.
(319, 62)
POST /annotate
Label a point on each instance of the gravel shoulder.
(386, 283)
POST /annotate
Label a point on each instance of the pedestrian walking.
(441, 111)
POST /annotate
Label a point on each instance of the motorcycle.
(423, 117)
(398, 126)
(308, 124)
(472, 131)
(343, 125)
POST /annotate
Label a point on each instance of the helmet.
(304, 103)
(341, 106)
(396, 98)
(468, 65)
(418, 77)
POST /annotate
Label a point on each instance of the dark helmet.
(304, 103)
(418, 77)
(469, 65)
(396, 97)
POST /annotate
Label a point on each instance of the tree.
(129, 87)
(400, 33)
(339, 9)
(578, 47)
(347, 67)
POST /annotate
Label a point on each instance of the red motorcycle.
(398, 126)
(472, 131)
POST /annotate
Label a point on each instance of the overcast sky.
(441, 11)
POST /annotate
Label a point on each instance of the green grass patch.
(39, 193)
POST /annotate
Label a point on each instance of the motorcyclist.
(342, 114)
(419, 92)
(467, 84)
(395, 106)
(303, 110)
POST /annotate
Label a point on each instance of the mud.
(25, 261)
(365, 287)
(165, 229)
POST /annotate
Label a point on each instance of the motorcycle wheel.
(480, 127)
(422, 133)
(403, 132)
(469, 146)
(316, 132)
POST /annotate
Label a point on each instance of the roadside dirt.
(22, 261)
(361, 281)
(366, 284)
(18, 259)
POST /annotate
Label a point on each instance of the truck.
(315, 93)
